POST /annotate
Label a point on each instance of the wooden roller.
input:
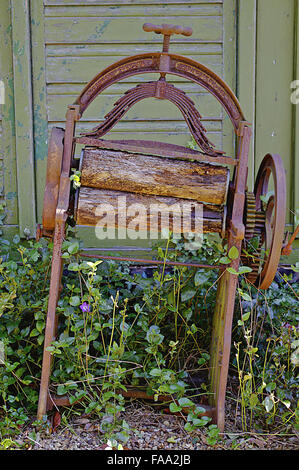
(119, 209)
(118, 186)
(152, 175)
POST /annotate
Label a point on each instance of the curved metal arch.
(163, 63)
(162, 90)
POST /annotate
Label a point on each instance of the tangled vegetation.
(122, 326)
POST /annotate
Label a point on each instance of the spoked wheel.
(265, 240)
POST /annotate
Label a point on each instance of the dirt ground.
(153, 429)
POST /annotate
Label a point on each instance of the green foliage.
(266, 345)
(120, 327)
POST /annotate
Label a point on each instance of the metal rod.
(150, 261)
(287, 250)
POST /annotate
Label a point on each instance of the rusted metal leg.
(221, 344)
(225, 301)
(51, 324)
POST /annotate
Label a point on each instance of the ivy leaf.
(233, 253)
(268, 403)
(73, 267)
(244, 269)
(232, 271)
(174, 408)
(155, 372)
(253, 400)
(224, 260)
(40, 326)
(287, 403)
(244, 295)
(40, 339)
(187, 294)
(200, 278)
(295, 267)
(185, 402)
(75, 300)
(245, 316)
(34, 332)
(61, 390)
(73, 248)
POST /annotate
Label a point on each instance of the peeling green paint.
(40, 131)
(18, 52)
(40, 116)
(9, 105)
(21, 45)
(11, 195)
(100, 30)
(7, 142)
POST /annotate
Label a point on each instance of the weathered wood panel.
(83, 37)
(95, 29)
(159, 130)
(8, 178)
(247, 22)
(147, 9)
(39, 91)
(268, 63)
(64, 59)
(208, 107)
(145, 174)
(296, 123)
(128, 2)
(120, 209)
(274, 69)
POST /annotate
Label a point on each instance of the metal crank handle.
(167, 29)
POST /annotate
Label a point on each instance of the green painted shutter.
(268, 63)
(72, 40)
(8, 180)
(83, 37)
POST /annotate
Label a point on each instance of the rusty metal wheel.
(55, 152)
(270, 212)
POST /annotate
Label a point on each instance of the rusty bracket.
(242, 125)
(287, 248)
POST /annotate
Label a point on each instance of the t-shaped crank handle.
(167, 30)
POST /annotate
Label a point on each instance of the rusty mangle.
(168, 173)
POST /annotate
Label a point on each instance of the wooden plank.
(296, 125)
(174, 136)
(156, 126)
(228, 73)
(194, 49)
(7, 142)
(154, 175)
(151, 10)
(121, 209)
(128, 29)
(23, 116)
(128, 2)
(83, 69)
(40, 114)
(149, 109)
(247, 72)
(73, 90)
(175, 132)
(274, 70)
